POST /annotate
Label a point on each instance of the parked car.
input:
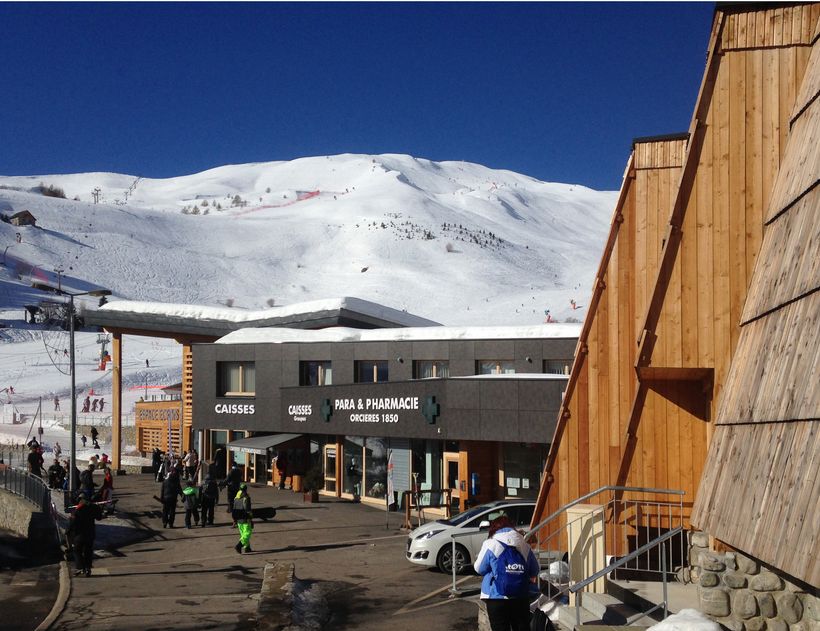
(431, 544)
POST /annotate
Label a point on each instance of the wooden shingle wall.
(761, 489)
(671, 289)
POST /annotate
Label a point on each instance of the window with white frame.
(236, 379)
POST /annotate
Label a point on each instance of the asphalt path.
(348, 558)
(29, 582)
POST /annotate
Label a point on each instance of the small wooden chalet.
(23, 218)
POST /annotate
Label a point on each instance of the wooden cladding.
(763, 498)
(789, 263)
(760, 491)
(674, 280)
(769, 27)
(659, 154)
(775, 371)
(801, 166)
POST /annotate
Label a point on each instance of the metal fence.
(27, 486)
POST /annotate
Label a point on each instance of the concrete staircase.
(623, 603)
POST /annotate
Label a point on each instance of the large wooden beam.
(116, 410)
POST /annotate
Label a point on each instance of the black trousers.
(508, 614)
(169, 511)
(188, 513)
(207, 510)
(83, 552)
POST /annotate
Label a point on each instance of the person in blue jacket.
(509, 568)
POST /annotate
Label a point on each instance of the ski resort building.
(457, 411)
(691, 420)
(343, 385)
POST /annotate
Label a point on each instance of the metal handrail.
(583, 498)
(658, 541)
(609, 488)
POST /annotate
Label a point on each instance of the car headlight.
(430, 534)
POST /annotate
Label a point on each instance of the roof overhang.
(260, 444)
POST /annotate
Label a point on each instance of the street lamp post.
(73, 464)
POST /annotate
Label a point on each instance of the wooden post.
(116, 410)
(187, 397)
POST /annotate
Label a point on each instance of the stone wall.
(744, 595)
(21, 517)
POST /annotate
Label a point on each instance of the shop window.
(426, 463)
(368, 371)
(523, 464)
(375, 467)
(236, 379)
(557, 366)
(315, 373)
(352, 469)
(239, 456)
(430, 369)
(495, 367)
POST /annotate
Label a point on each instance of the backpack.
(511, 579)
(539, 621)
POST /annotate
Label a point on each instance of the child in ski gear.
(509, 567)
(83, 439)
(243, 516)
(190, 499)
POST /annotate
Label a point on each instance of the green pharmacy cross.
(326, 410)
(431, 410)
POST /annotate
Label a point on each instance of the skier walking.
(190, 499)
(243, 516)
(56, 404)
(94, 434)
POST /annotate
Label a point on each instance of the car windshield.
(467, 515)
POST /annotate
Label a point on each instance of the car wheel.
(444, 561)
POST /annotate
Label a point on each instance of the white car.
(431, 544)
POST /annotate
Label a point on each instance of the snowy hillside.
(454, 242)
(375, 227)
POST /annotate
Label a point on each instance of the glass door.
(451, 480)
(330, 468)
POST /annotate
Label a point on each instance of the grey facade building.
(471, 409)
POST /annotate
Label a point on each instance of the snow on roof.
(517, 375)
(279, 335)
(226, 314)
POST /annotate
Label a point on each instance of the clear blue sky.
(555, 91)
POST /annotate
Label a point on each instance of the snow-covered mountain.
(451, 241)
(454, 242)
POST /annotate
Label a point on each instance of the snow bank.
(687, 620)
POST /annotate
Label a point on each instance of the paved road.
(28, 584)
(351, 570)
